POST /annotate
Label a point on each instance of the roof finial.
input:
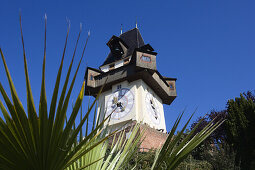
(136, 23)
(121, 29)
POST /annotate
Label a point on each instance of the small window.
(118, 86)
(91, 77)
(145, 58)
(111, 66)
(171, 86)
(116, 49)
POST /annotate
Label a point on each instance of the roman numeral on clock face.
(152, 108)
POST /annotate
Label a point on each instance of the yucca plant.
(40, 141)
(106, 156)
(178, 146)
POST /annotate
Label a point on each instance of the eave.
(132, 73)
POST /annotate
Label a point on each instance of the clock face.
(152, 108)
(120, 103)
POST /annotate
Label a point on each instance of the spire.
(136, 32)
(120, 29)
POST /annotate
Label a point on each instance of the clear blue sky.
(209, 46)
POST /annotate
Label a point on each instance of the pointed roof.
(132, 39)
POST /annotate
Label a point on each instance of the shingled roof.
(132, 39)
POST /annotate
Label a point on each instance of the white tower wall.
(139, 111)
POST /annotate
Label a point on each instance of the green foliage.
(118, 155)
(145, 160)
(220, 156)
(240, 130)
(219, 135)
(142, 160)
(231, 145)
(178, 147)
(214, 149)
(191, 163)
(31, 140)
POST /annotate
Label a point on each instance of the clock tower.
(134, 90)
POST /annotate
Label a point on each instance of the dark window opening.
(171, 86)
(116, 49)
(91, 77)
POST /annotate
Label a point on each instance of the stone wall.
(153, 139)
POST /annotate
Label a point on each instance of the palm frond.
(122, 149)
(175, 150)
(29, 140)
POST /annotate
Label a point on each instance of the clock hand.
(120, 105)
(122, 108)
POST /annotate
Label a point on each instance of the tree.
(217, 138)
(240, 129)
(215, 149)
(219, 135)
